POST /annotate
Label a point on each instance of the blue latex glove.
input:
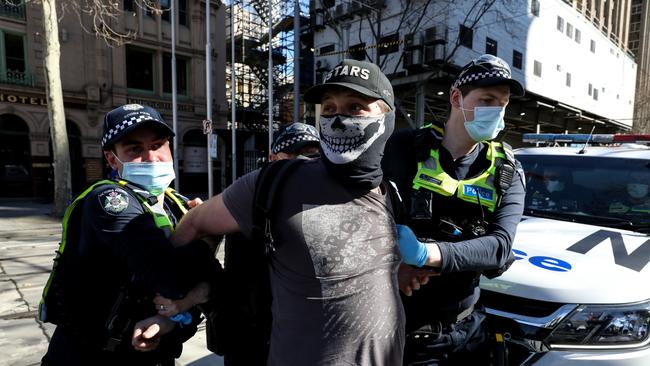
(413, 252)
(183, 318)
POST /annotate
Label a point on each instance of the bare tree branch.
(102, 17)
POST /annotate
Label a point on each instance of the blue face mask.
(487, 122)
(155, 177)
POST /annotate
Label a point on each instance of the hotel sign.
(22, 99)
(161, 105)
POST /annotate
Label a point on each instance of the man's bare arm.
(208, 219)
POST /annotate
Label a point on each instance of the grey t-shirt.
(334, 271)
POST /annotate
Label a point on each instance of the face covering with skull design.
(352, 147)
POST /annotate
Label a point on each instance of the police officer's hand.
(147, 332)
(409, 278)
(167, 307)
(413, 251)
(195, 202)
(198, 295)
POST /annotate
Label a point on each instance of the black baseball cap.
(361, 76)
(294, 137)
(488, 70)
(122, 120)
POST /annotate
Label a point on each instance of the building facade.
(639, 44)
(577, 71)
(97, 78)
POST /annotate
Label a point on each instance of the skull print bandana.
(352, 147)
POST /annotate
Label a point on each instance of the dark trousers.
(461, 343)
(69, 349)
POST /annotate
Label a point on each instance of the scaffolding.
(251, 30)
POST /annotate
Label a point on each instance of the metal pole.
(208, 92)
(172, 9)
(270, 75)
(233, 132)
(296, 62)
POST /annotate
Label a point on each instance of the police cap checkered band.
(488, 70)
(292, 138)
(120, 121)
(361, 76)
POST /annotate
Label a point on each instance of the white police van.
(579, 290)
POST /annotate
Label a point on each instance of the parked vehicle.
(578, 293)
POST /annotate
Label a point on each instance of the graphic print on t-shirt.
(353, 252)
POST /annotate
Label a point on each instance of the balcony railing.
(17, 78)
(12, 9)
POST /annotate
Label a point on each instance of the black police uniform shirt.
(333, 273)
(119, 242)
(446, 296)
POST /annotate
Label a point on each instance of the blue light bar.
(568, 138)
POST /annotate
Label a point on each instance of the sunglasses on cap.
(488, 63)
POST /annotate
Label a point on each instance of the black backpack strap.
(399, 210)
(427, 139)
(267, 187)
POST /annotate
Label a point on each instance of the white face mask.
(155, 177)
(637, 190)
(554, 186)
(487, 122)
(345, 138)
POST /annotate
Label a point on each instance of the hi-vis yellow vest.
(161, 219)
(479, 190)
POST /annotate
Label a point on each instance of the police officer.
(115, 253)
(464, 195)
(296, 139)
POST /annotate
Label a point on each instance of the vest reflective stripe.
(171, 194)
(431, 176)
(438, 130)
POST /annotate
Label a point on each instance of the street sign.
(213, 146)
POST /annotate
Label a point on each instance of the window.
(560, 24)
(14, 52)
(537, 68)
(490, 46)
(568, 79)
(389, 44)
(12, 9)
(358, 51)
(182, 65)
(591, 90)
(166, 11)
(577, 35)
(181, 13)
(517, 59)
(466, 36)
(595, 94)
(326, 50)
(569, 30)
(534, 7)
(593, 46)
(13, 63)
(139, 69)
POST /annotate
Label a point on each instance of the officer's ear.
(454, 97)
(111, 159)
